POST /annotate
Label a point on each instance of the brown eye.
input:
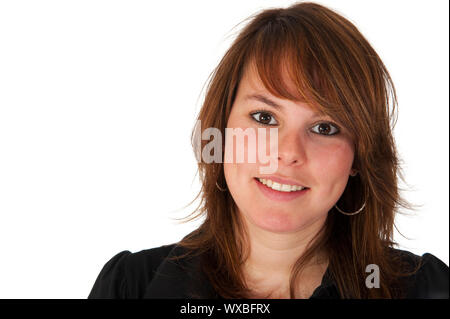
(264, 118)
(325, 129)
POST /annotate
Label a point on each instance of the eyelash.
(273, 116)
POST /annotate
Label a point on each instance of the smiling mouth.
(285, 188)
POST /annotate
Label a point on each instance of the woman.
(321, 224)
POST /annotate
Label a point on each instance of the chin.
(277, 222)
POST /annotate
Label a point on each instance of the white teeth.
(276, 186)
(280, 187)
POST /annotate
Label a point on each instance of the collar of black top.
(183, 279)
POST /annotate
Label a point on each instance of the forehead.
(253, 81)
(252, 85)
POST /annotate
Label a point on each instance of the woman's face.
(308, 155)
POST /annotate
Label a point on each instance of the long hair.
(337, 72)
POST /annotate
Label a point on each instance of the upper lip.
(283, 180)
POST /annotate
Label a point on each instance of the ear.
(353, 172)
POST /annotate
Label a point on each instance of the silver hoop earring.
(354, 213)
(221, 189)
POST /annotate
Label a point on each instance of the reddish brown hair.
(337, 72)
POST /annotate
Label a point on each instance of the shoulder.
(430, 281)
(149, 258)
(126, 274)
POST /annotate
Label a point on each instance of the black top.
(149, 274)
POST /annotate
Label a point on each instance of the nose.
(291, 149)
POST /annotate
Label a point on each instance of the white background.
(97, 103)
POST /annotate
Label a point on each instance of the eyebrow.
(266, 100)
(263, 99)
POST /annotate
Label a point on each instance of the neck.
(272, 255)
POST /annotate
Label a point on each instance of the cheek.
(238, 173)
(332, 164)
(239, 181)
